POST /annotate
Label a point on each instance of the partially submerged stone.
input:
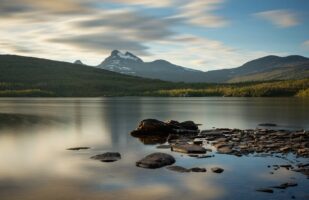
(178, 169)
(156, 160)
(77, 148)
(217, 170)
(267, 190)
(164, 146)
(285, 185)
(198, 169)
(107, 157)
(267, 124)
(152, 126)
(157, 127)
(189, 148)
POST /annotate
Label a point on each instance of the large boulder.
(156, 160)
(152, 126)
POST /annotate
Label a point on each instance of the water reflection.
(36, 165)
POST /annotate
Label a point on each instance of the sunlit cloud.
(201, 13)
(280, 18)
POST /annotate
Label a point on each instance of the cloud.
(103, 43)
(306, 44)
(280, 18)
(204, 54)
(200, 13)
(133, 24)
(16, 7)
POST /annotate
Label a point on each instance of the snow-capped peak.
(126, 56)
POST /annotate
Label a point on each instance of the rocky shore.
(186, 138)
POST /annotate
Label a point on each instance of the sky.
(200, 34)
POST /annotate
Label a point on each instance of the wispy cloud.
(280, 18)
(201, 13)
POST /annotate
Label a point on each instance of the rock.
(267, 190)
(156, 160)
(189, 125)
(152, 126)
(217, 170)
(177, 169)
(107, 157)
(188, 148)
(164, 146)
(78, 148)
(267, 124)
(201, 156)
(225, 150)
(152, 139)
(286, 185)
(198, 169)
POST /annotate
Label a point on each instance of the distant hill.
(32, 77)
(128, 63)
(266, 68)
(42, 77)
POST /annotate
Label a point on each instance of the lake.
(35, 133)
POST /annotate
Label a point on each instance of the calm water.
(34, 135)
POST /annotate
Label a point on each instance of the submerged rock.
(189, 148)
(267, 190)
(217, 170)
(177, 169)
(285, 185)
(156, 160)
(107, 157)
(267, 124)
(77, 148)
(164, 146)
(198, 169)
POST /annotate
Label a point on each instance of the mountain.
(128, 63)
(32, 77)
(28, 76)
(262, 69)
(266, 68)
(78, 62)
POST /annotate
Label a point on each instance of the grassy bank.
(269, 89)
(299, 88)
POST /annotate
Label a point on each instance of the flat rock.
(225, 150)
(286, 185)
(267, 190)
(164, 146)
(188, 148)
(267, 124)
(107, 157)
(177, 169)
(198, 169)
(78, 148)
(156, 160)
(217, 170)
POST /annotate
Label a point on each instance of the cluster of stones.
(185, 137)
(243, 142)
